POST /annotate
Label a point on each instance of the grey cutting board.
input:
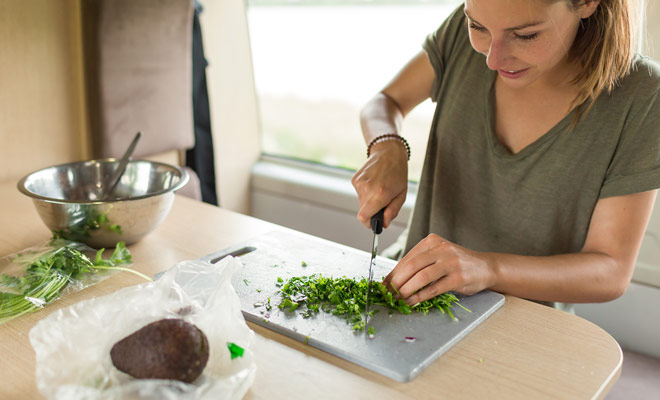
(281, 254)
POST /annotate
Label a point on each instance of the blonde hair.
(603, 47)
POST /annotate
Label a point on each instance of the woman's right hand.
(382, 182)
(383, 179)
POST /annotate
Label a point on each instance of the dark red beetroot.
(165, 349)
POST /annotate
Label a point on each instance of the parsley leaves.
(347, 297)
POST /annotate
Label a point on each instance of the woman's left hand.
(435, 266)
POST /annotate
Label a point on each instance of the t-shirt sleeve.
(441, 45)
(635, 165)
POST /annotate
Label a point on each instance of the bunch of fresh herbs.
(347, 297)
(48, 273)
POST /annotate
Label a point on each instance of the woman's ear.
(588, 8)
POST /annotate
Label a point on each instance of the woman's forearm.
(571, 278)
(380, 116)
(600, 272)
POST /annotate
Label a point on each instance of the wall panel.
(42, 112)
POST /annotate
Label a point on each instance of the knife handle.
(377, 221)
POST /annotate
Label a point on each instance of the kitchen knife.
(377, 228)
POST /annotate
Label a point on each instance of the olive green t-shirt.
(539, 201)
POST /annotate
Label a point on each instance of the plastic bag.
(39, 275)
(73, 345)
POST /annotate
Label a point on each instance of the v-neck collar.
(497, 147)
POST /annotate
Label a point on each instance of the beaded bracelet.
(389, 136)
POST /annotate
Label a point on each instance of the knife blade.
(376, 228)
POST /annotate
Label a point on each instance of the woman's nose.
(496, 54)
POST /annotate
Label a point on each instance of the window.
(316, 63)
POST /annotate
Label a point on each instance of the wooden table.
(523, 351)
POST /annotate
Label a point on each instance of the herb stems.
(47, 275)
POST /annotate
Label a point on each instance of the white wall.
(633, 319)
(651, 39)
(232, 96)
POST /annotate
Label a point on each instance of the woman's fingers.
(435, 266)
(393, 209)
(424, 259)
(431, 290)
(369, 209)
(381, 182)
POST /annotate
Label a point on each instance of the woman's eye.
(526, 37)
(477, 27)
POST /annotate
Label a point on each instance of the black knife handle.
(377, 221)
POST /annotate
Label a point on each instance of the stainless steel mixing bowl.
(68, 199)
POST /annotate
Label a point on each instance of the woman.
(543, 160)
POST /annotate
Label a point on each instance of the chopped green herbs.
(303, 264)
(347, 297)
(46, 277)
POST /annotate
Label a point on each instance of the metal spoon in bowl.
(119, 171)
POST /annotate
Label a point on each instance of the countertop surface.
(524, 350)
